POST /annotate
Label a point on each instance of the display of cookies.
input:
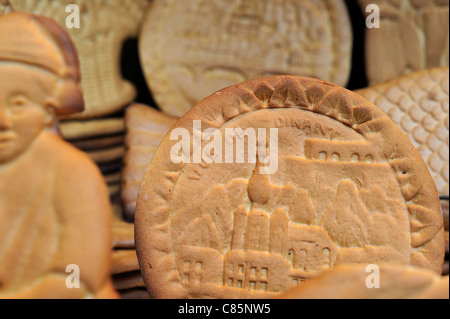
(224, 149)
(190, 49)
(343, 185)
(418, 104)
(125, 271)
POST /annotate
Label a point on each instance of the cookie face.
(146, 127)
(418, 104)
(104, 26)
(190, 49)
(413, 36)
(395, 282)
(333, 181)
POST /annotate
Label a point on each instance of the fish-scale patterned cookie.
(418, 103)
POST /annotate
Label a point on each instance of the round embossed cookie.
(80, 130)
(266, 184)
(373, 282)
(418, 104)
(190, 49)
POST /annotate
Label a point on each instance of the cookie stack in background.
(444, 203)
(146, 128)
(104, 27)
(125, 271)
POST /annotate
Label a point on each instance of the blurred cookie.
(107, 155)
(146, 128)
(93, 144)
(76, 130)
(418, 104)
(354, 282)
(128, 281)
(413, 36)
(324, 178)
(124, 261)
(445, 211)
(5, 7)
(104, 26)
(136, 293)
(123, 233)
(190, 49)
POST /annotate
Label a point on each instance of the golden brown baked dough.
(146, 128)
(413, 36)
(190, 49)
(54, 206)
(75, 130)
(349, 188)
(396, 282)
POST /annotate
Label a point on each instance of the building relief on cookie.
(418, 104)
(355, 196)
(413, 36)
(190, 49)
(104, 26)
(145, 128)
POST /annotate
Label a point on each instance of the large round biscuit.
(349, 188)
(190, 49)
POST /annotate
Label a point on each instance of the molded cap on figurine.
(40, 42)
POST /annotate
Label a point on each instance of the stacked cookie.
(103, 140)
(125, 271)
(146, 128)
(444, 203)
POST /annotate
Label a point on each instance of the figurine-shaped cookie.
(54, 207)
(190, 49)
(268, 183)
(146, 127)
(104, 26)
